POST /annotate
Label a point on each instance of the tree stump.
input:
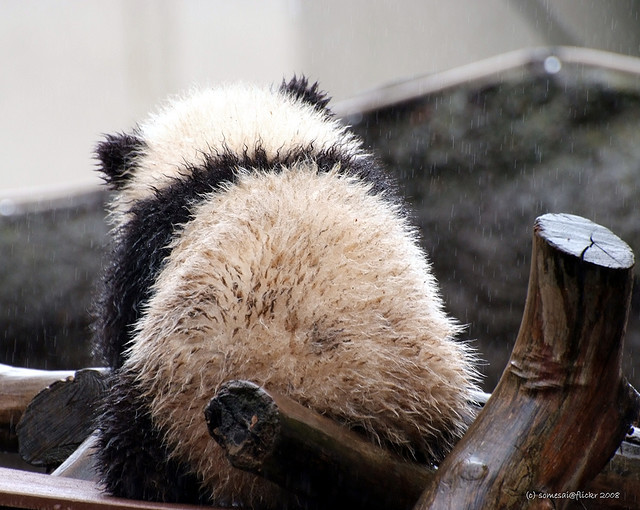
(562, 406)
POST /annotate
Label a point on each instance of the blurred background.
(74, 69)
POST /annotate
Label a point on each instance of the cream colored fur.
(303, 282)
(233, 118)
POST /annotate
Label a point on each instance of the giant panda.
(255, 238)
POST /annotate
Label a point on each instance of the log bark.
(562, 406)
(18, 386)
(308, 454)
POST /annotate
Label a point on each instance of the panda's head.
(231, 126)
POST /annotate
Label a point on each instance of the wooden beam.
(81, 463)
(21, 489)
(562, 406)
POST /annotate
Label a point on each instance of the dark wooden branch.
(562, 406)
(60, 418)
(18, 386)
(309, 454)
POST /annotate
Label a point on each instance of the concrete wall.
(74, 69)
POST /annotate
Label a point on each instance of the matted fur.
(306, 284)
(254, 242)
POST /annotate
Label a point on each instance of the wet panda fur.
(255, 238)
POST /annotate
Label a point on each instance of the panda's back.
(292, 266)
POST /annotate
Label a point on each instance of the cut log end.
(323, 463)
(243, 419)
(584, 239)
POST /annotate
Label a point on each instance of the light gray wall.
(73, 69)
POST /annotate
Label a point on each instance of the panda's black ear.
(117, 158)
(311, 94)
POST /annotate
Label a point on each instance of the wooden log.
(561, 407)
(21, 489)
(621, 476)
(60, 418)
(618, 484)
(18, 387)
(325, 463)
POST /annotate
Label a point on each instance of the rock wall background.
(51, 253)
(482, 159)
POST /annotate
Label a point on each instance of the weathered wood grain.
(562, 406)
(60, 418)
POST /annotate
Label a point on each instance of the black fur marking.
(117, 155)
(132, 459)
(311, 94)
(141, 245)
